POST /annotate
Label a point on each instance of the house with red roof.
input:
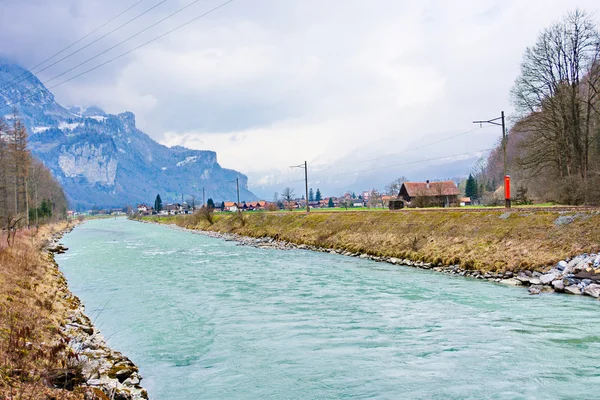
(430, 194)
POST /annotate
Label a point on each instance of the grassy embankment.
(484, 240)
(34, 299)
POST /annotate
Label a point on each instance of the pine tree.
(210, 203)
(311, 195)
(158, 203)
(222, 206)
(318, 196)
(471, 188)
(330, 203)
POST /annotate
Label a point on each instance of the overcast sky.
(271, 83)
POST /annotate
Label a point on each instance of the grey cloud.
(357, 77)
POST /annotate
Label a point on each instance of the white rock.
(511, 282)
(592, 290)
(535, 281)
(558, 285)
(549, 277)
(573, 289)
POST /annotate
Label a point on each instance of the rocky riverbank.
(106, 371)
(577, 276)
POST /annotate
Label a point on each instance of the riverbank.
(49, 346)
(545, 250)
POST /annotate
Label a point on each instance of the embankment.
(49, 348)
(487, 241)
(547, 250)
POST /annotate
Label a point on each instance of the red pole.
(507, 190)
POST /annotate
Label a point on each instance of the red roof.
(424, 189)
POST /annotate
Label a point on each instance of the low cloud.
(268, 84)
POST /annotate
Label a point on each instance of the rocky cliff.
(103, 159)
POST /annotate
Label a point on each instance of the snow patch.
(98, 118)
(63, 126)
(188, 160)
(40, 129)
(164, 168)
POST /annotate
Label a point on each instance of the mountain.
(103, 159)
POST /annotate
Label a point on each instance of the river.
(206, 319)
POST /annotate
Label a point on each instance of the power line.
(412, 162)
(30, 71)
(411, 149)
(392, 166)
(404, 151)
(120, 43)
(128, 52)
(91, 43)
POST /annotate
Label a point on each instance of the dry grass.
(486, 241)
(34, 356)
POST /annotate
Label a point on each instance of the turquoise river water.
(206, 319)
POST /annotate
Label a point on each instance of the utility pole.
(305, 166)
(237, 184)
(504, 142)
(203, 198)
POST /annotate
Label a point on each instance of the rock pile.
(578, 276)
(103, 368)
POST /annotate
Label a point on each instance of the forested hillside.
(29, 194)
(553, 149)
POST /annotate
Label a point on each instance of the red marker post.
(507, 190)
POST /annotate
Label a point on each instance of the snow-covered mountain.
(103, 159)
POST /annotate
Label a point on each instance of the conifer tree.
(158, 203)
(471, 188)
(318, 195)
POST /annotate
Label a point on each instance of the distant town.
(398, 195)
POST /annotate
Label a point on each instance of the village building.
(465, 201)
(358, 202)
(254, 205)
(430, 194)
(230, 206)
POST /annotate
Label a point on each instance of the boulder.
(511, 282)
(573, 289)
(592, 290)
(561, 265)
(523, 278)
(558, 285)
(535, 281)
(535, 289)
(549, 277)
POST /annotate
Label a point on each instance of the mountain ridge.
(103, 159)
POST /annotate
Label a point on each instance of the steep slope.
(103, 159)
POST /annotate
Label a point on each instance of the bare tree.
(25, 183)
(288, 196)
(375, 198)
(393, 188)
(556, 94)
